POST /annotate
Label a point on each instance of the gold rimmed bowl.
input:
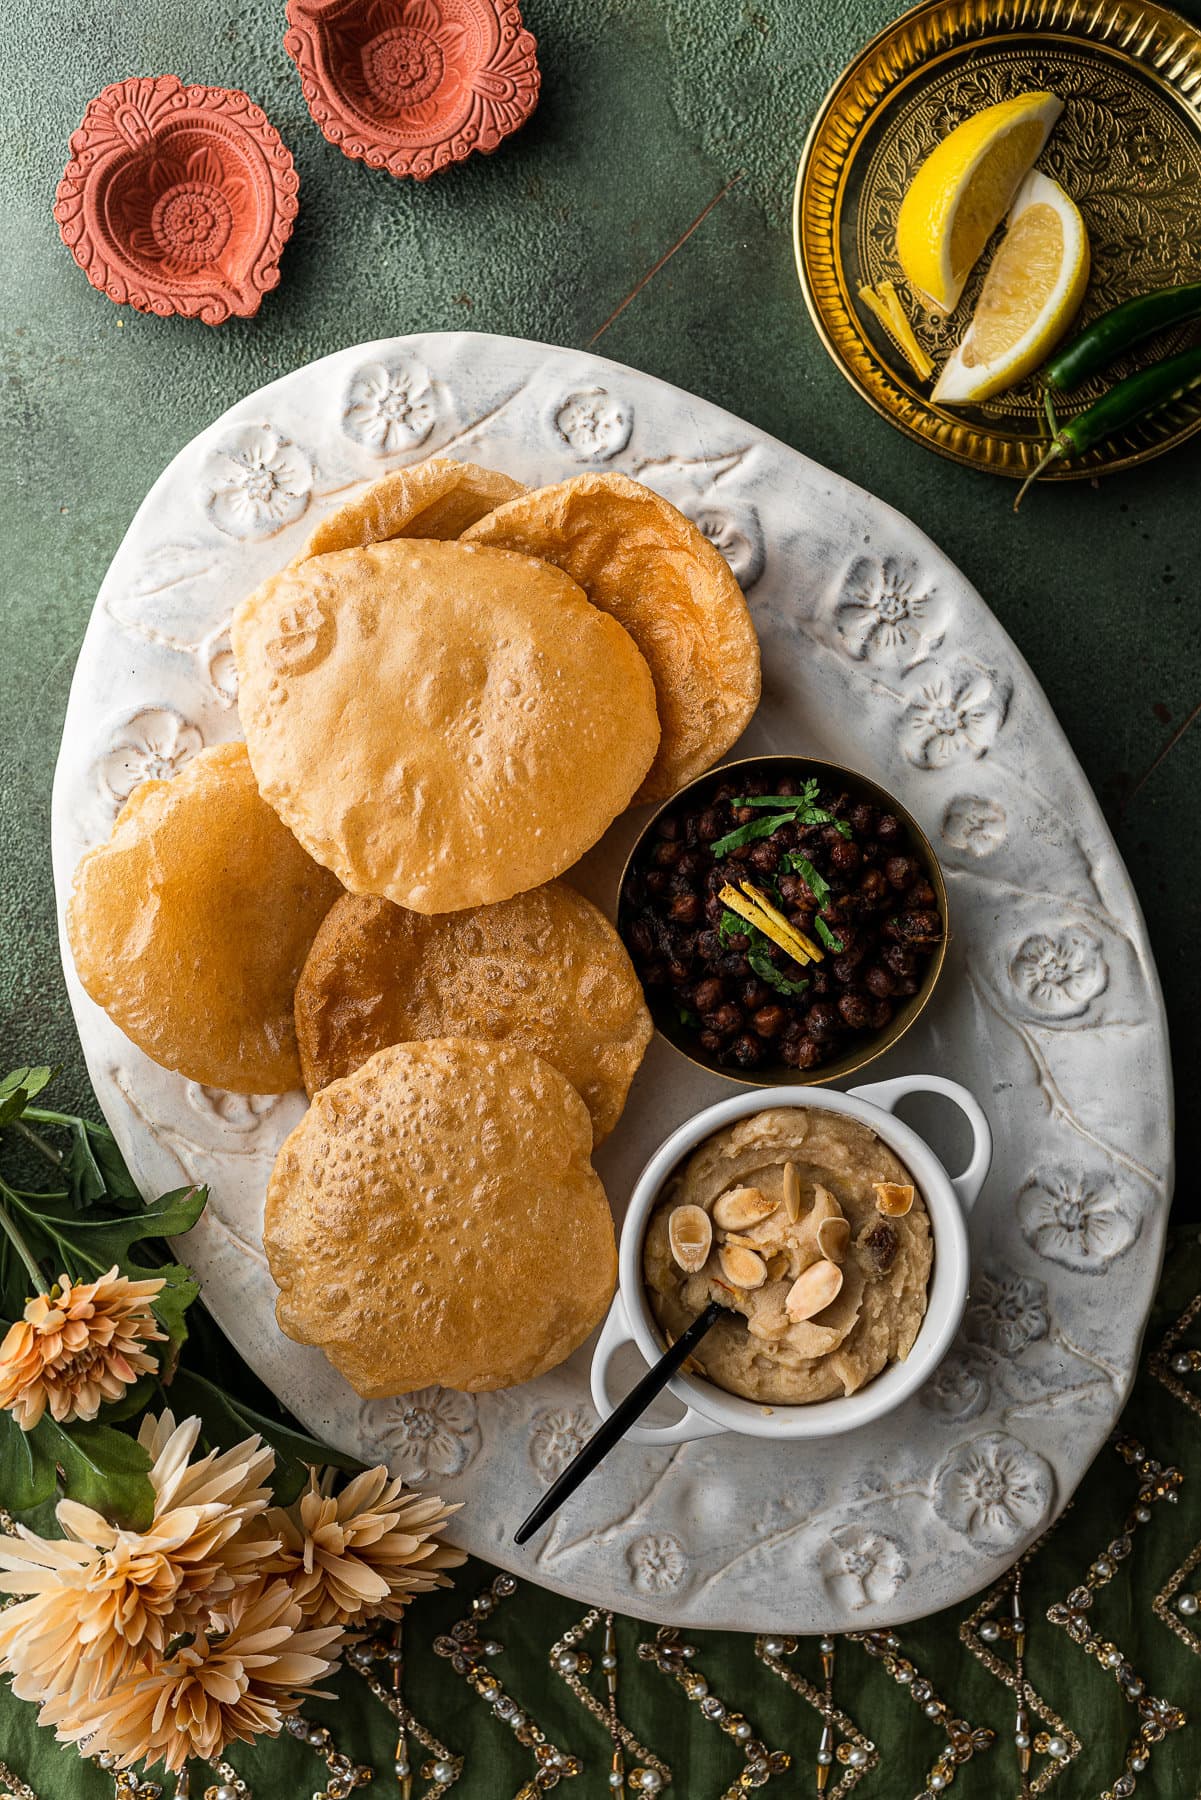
(1127, 148)
(833, 780)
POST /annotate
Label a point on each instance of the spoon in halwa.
(611, 1430)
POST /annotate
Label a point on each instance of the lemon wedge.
(1031, 293)
(964, 189)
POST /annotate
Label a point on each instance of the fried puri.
(191, 924)
(545, 970)
(435, 1219)
(442, 724)
(642, 561)
(437, 498)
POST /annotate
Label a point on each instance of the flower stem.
(22, 1249)
(39, 1142)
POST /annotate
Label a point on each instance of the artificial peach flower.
(77, 1346)
(227, 1487)
(363, 1552)
(88, 1616)
(233, 1679)
(101, 1598)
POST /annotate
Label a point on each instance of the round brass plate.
(1127, 148)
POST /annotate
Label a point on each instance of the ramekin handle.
(615, 1332)
(886, 1094)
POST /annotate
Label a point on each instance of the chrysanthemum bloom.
(228, 1488)
(364, 1552)
(78, 1345)
(102, 1598)
(235, 1680)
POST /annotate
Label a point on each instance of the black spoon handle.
(614, 1428)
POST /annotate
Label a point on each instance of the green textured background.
(649, 108)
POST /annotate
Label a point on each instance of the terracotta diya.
(178, 199)
(412, 85)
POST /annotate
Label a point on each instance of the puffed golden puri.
(437, 498)
(641, 560)
(545, 969)
(191, 924)
(435, 1219)
(440, 723)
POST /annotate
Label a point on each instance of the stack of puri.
(446, 698)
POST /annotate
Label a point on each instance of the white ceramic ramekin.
(710, 1409)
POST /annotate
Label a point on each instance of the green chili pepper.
(1131, 399)
(1120, 330)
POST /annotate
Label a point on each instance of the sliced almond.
(742, 1268)
(893, 1198)
(690, 1234)
(823, 1208)
(737, 1237)
(833, 1239)
(792, 1192)
(813, 1291)
(742, 1207)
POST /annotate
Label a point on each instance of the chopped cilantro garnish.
(827, 936)
(786, 809)
(758, 953)
(730, 925)
(768, 972)
(750, 833)
(818, 886)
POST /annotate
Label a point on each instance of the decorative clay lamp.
(178, 199)
(412, 85)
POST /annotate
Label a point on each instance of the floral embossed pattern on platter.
(389, 407)
(153, 745)
(433, 1432)
(1081, 1218)
(1127, 148)
(861, 1567)
(256, 481)
(994, 1490)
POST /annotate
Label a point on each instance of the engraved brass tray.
(1127, 149)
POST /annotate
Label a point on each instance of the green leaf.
(731, 926)
(779, 802)
(93, 1243)
(83, 1174)
(118, 1182)
(758, 953)
(800, 808)
(89, 1245)
(827, 936)
(227, 1422)
(101, 1468)
(19, 1088)
(750, 832)
(170, 1307)
(817, 884)
(767, 971)
(27, 1472)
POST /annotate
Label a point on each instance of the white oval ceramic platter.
(876, 653)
